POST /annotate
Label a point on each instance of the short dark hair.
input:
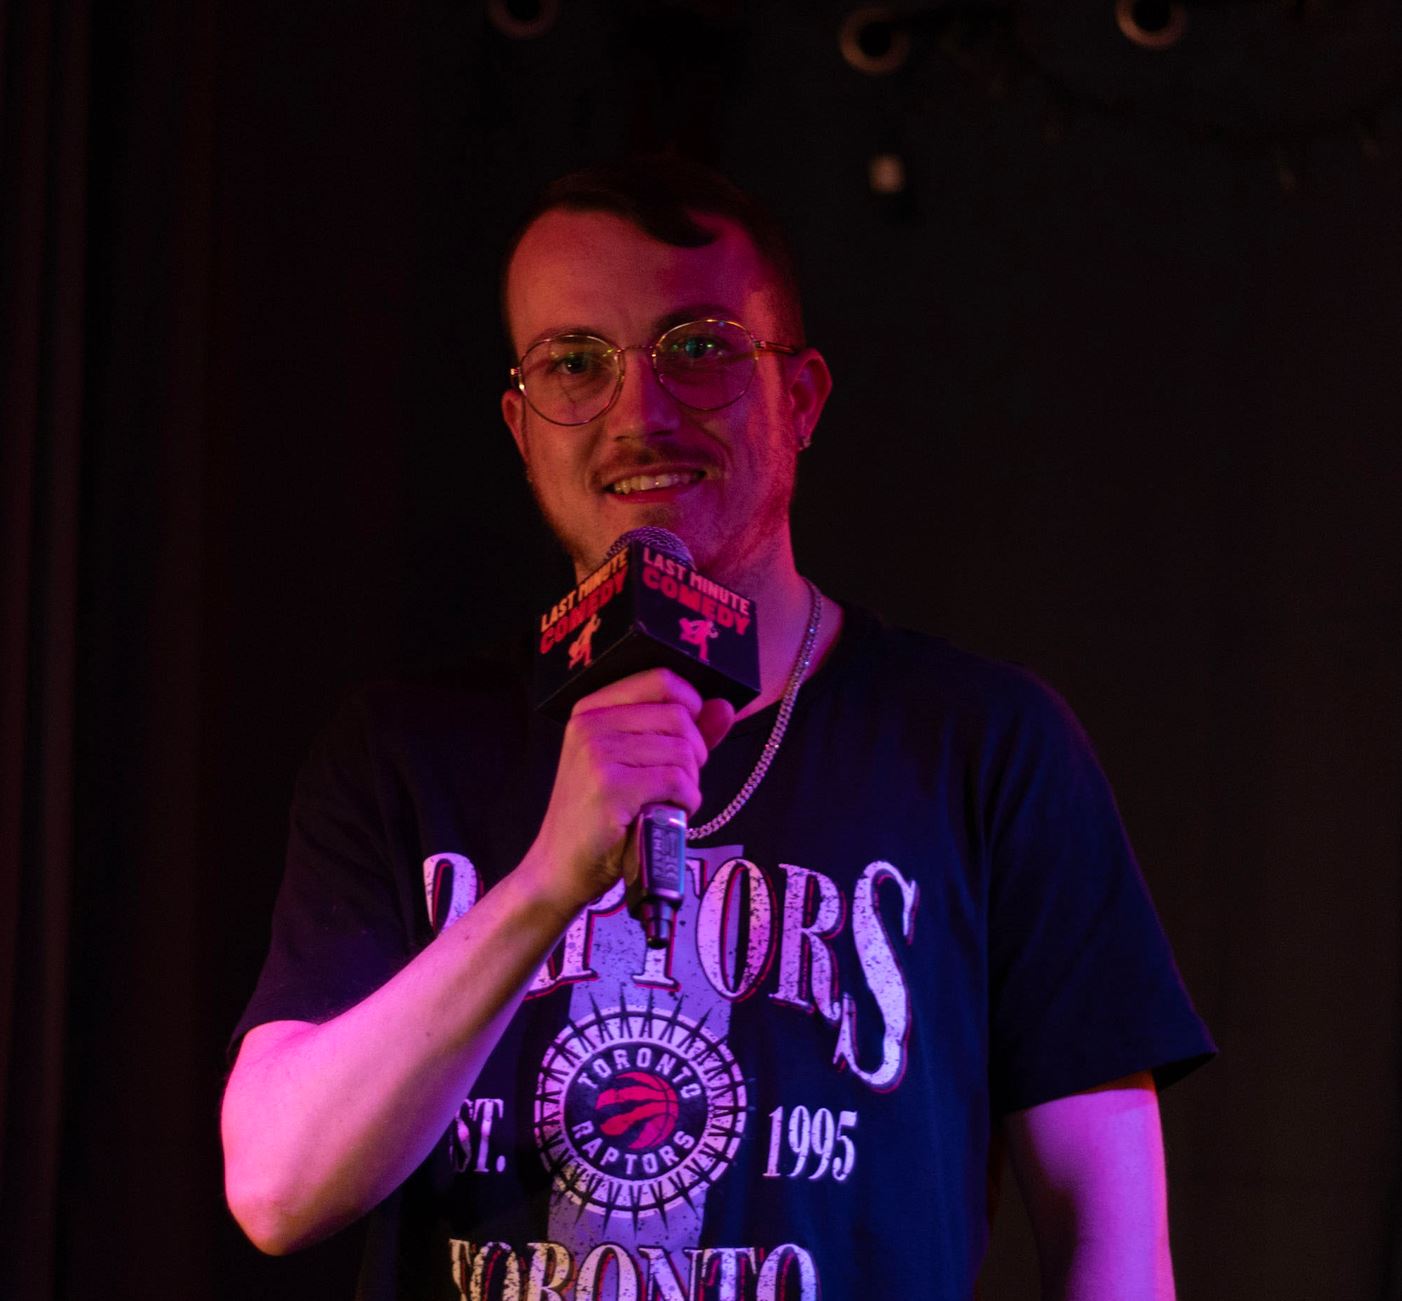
(659, 193)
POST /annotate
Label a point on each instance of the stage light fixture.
(886, 174)
(873, 40)
(1151, 24)
(523, 20)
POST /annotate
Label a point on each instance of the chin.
(729, 566)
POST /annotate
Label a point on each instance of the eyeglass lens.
(572, 378)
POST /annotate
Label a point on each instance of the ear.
(809, 386)
(513, 411)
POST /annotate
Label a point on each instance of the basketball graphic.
(638, 1109)
(647, 1110)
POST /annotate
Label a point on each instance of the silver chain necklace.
(781, 723)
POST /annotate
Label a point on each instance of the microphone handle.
(656, 894)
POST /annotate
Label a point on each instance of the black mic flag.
(647, 607)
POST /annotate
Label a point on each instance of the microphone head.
(663, 540)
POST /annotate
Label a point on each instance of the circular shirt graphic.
(637, 1109)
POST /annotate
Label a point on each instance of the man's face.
(721, 480)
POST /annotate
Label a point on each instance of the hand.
(640, 740)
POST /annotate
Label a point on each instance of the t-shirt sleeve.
(338, 930)
(1083, 985)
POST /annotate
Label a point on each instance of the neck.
(783, 607)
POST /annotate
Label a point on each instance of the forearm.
(322, 1122)
(1091, 1169)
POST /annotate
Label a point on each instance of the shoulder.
(931, 674)
(994, 727)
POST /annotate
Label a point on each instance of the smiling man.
(912, 929)
(721, 479)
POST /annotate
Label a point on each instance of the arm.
(322, 1121)
(1091, 1170)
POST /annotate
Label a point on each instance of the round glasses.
(571, 379)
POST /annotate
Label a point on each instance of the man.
(919, 932)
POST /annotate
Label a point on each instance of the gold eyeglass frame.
(757, 346)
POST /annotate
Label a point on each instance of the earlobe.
(512, 411)
(808, 393)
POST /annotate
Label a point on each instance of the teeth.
(646, 482)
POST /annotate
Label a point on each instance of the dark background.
(1118, 394)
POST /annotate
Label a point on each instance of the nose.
(644, 408)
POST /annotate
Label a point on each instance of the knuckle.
(681, 754)
(582, 724)
(592, 746)
(679, 717)
(681, 781)
(679, 689)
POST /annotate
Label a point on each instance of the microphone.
(647, 607)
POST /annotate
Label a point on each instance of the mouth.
(651, 483)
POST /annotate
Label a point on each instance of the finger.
(714, 721)
(650, 750)
(622, 725)
(635, 787)
(653, 686)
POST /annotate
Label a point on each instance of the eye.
(569, 359)
(696, 347)
(573, 363)
(703, 346)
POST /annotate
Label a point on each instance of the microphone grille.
(663, 540)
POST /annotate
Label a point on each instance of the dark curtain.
(43, 205)
(1110, 402)
(106, 185)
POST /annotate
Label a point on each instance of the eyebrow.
(694, 312)
(679, 316)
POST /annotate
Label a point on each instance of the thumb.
(714, 721)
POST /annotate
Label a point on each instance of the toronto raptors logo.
(647, 1110)
(637, 1109)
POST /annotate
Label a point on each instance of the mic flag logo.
(582, 647)
(698, 633)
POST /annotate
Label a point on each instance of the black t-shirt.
(927, 915)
